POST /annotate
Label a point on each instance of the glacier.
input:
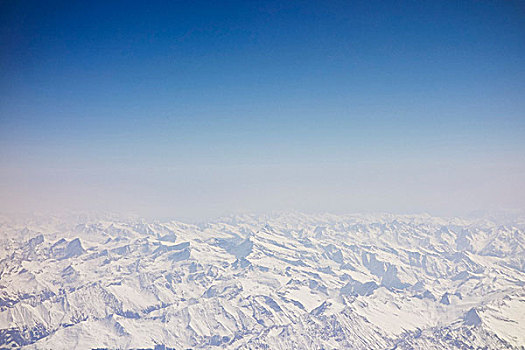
(277, 281)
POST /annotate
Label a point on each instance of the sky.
(196, 109)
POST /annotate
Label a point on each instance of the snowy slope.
(279, 281)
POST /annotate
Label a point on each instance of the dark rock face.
(66, 250)
(74, 249)
(472, 318)
(14, 337)
(180, 255)
(355, 288)
(445, 300)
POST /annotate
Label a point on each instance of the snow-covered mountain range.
(282, 281)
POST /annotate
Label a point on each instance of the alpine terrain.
(280, 281)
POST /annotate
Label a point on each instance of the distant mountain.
(282, 281)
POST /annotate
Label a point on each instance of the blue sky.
(191, 109)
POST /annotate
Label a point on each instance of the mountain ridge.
(285, 280)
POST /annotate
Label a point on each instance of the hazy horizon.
(195, 110)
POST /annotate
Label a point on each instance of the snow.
(285, 280)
